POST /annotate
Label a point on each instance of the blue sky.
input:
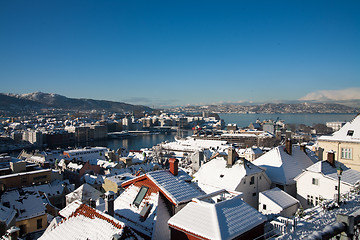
(179, 52)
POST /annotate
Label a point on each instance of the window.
(315, 181)
(254, 194)
(350, 133)
(264, 206)
(252, 180)
(346, 153)
(39, 223)
(140, 196)
(310, 200)
(335, 188)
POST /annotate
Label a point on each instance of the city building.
(345, 143)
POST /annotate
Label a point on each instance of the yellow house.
(30, 210)
(113, 183)
(345, 143)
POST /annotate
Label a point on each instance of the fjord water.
(243, 120)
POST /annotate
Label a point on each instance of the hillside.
(38, 100)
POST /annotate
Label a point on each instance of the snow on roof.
(103, 163)
(92, 179)
(129, 213)
(192, 144)
(282, 167)
(83, 193)
(349, 176)
(223, 220)
(216, 173)
(175, 187)
(69, 209)
(119, 179)
(54, 188)
(350, 132)
(26, 201)
(25, 173)
(279, 197)
(75, 166)
(85, 222)
(6, 214)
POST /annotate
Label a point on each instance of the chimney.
(93, 203)
(230, 157)
(288, 146)
(174, 166)
(303, 147)
(109, 203)
(331, 157)
(319, 152)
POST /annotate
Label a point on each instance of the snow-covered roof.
(216, 173)
(223, 220)
(27, 201)
(83, 193)
(279, 197)
(282, 167)
(349, 176)
(85, 222)
(6, 214)
(129, 213)
(119, 179)
(175, 187)
(350, 132)
(92, 179)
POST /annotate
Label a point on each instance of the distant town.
(214, 180)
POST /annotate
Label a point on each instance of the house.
(149, 200)
(241, 175)
(320, 181)
(7, 218)
(345, 143)
(215, 216)
(83, 222)
(113, 183)
(282, 164)
(253, 153)
(30, 209)
(276, 201)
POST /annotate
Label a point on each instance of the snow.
(282, 167)
(83, 193)
(216, 173)
(223, 220)
(281, 198)
(349, 176)
(342, 134)
(174, 186)
(6, 214)
(317, 218)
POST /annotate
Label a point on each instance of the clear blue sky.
(179, 52)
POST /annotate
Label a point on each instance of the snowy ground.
(317, 218)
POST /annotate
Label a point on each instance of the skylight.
(140, 196)
(350, 133)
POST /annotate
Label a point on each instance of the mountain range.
(39, 101)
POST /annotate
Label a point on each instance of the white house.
(276, 201)
(320, 181)
(283, 164)
(241, 176)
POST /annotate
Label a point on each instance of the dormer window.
(350, 133)
(140, 196)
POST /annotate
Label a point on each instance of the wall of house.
(31, 224)
(336, 146)
(109, 185)
(289, 211)
(326, 188)
(271, 207)
(21, 180)
(251, 191)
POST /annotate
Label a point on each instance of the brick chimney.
(288, 146)
(331, 157)
(174, 166)
(109, 203)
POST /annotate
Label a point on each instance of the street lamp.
(339, 173)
